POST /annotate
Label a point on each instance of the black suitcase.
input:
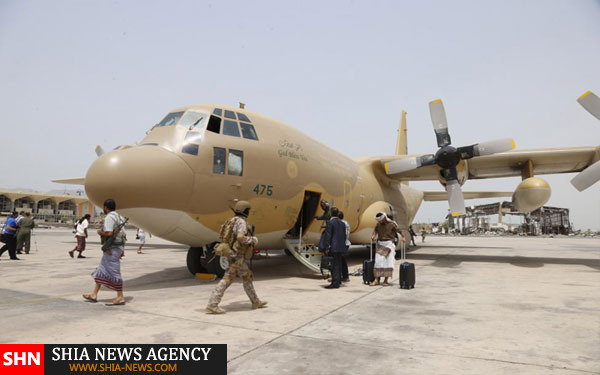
(326, 265)
(407, 275)
(407, 271)
(368, 276)
(368, 266)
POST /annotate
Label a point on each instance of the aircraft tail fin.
(401, 144)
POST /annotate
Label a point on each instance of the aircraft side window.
(214, 124)
(190, 148)
(230, 114)
(218, 112)
(219, 160)
(231, 128)
(243, 117)
(235, 163)
(248, 131)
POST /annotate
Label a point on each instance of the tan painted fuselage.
(184, 197)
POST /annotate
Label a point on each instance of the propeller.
(591, 174)
(99, 150)
(448, 157)
(591, 103)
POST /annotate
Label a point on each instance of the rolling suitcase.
(368, 266)
(407, 270)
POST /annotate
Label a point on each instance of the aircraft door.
(355, 202)
(306, 216)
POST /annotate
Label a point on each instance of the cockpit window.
(191, 118)
(243, 117)
(190, 148)
(248, 131)
(230, 114)
(214, 124)
(231, 128)
(170, 119)
(192, 137)
(218, 112)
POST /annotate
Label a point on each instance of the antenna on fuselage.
(242, 105)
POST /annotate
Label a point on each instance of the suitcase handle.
(371, 249)
(402, 249)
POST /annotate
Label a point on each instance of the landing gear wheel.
(194, 263)
(214, 263)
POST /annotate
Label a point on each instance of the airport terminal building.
(45, 206)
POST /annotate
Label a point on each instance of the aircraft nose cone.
(146, 176)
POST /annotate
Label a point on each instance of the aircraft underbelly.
(179, 227)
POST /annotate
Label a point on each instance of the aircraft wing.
(443, 196)
(71, 181)
(510, 163)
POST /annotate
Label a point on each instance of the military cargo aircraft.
(181, 179)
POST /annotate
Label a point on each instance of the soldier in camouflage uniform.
(236, 231)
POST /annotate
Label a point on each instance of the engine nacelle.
(367, 221)
(531, 194)
(462, 171)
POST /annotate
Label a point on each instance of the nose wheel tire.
(214, 263)
(194, 262)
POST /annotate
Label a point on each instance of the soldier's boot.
(214, 309)
(259, 305)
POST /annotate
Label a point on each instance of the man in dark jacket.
(333, 242)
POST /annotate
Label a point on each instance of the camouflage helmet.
(242, 208)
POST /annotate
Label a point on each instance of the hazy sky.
(80, 73)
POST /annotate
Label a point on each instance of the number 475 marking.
(260, 189)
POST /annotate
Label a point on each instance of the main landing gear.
(203, 260)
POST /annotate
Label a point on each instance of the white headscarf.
(381, 217)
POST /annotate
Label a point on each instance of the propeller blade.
(402, 165)
(591, 103)
(99, 150)
(408, 164)
(440, 124)
(587, 177)
(486, 148)
(455, 198)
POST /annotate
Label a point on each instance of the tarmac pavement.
(481, 305)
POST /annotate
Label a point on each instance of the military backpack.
(225, 247)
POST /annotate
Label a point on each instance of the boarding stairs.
(307, 254)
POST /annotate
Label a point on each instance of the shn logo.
(21, 358)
